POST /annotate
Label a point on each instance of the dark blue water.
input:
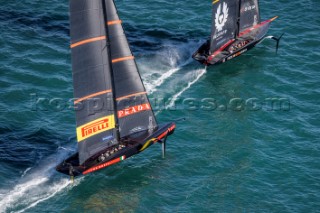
(228, 156)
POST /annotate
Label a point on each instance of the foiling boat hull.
(251, 37)
(134, 145)
(223, 55)
(235, 54)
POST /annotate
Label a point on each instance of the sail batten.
(92, 95)
(131, 95)
(116, 60)
(114, 22)
(87, 41)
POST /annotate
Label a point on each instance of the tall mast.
(111, 70)
(238, 19)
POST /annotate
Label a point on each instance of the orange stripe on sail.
(128, 96)
(122, 59)
(91, 96)
(88, 41)
(114, 22)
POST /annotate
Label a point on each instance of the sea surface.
(249, 142)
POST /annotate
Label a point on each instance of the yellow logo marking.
(95, 127)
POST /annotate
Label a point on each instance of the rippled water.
(222, 160)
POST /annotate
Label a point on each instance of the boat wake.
(152, 86)
(27, 195)
(170, 60)
(198, 74)
(192, 78)
(35, 186)
(25, 172)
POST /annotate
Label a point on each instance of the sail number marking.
(248, 8)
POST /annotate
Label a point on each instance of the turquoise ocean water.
(228, 156)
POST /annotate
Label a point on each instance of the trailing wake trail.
(33, 191)
(35, 186)
(198, 74)
(176, 58)
(152, 87)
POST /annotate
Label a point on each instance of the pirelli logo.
(95, 127)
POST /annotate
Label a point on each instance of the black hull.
(237, 53)
(134, 145)
(245, 41)
(223, 56)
